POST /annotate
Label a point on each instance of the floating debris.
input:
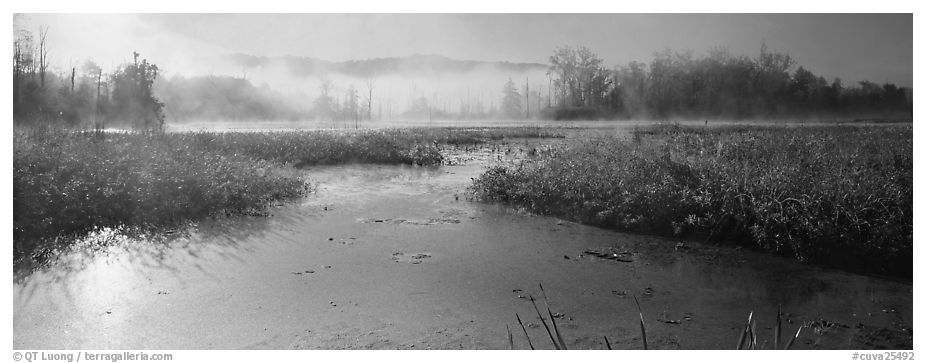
(615, 256)
(414, 259)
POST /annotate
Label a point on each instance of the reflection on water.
(394, 256)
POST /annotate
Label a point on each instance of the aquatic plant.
(749, 337)
(70, 183)
(840, 196)
(642, 324)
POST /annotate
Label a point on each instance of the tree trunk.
(527, 95)
(96, 118)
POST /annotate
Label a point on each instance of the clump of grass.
(559, 337)
(545, 326)
(749, 337)
(304, 148)
(556, 338)
(479, 135)
(68, 184)
(840, 196)
(419, 146)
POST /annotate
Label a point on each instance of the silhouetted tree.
(718, 85)
(370, 82)
(132, 99)
(511, 100)
(351, 107)
(324, 106)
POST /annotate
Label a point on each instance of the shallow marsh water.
(396, 257)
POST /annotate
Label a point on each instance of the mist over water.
(395, 66)
(406, 93)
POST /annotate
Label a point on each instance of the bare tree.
(527, 95)
(22, 56)
(563, 63)
(550, 93)
(43, 55)
(370, 82)
(351, 105)
(97, 121)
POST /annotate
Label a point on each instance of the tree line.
(578, 86)
(677, 84)
(122, 96)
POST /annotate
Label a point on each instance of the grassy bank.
(419, 146)
(839, 196)
(68, 183)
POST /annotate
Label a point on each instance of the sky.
(854, 47)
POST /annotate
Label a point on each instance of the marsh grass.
(747, 329)
(835, 195)
(510, 337)
(554, 334)
(747, 340)
(749, 336)
(642, 324)
(796, 334)
(69, 183)
(526, 336)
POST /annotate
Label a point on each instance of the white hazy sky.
(876, 47)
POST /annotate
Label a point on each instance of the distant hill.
(412, 65)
